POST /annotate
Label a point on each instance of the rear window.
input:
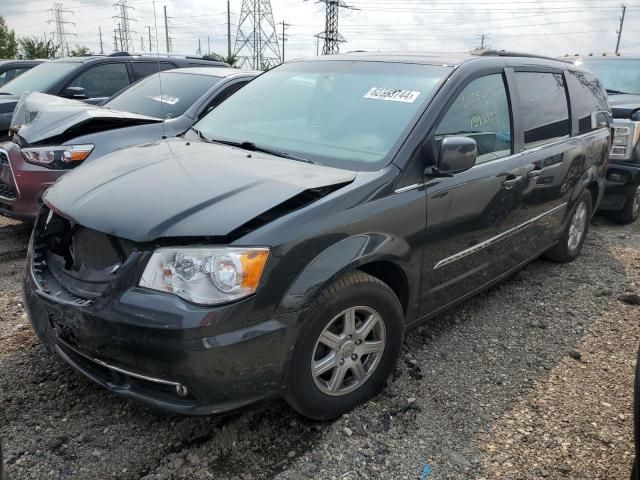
(589, 101)
(544, 107)
(163, 95)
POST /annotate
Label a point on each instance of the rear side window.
(544, 107)
(144, 69)
(103, 80)
(589, 101)
(481, 112)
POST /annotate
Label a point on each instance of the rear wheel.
(575, 232)
(348, 347)
(631, 209)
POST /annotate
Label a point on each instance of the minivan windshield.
(163, 95)
(39, 78)
(618, 75)
(342, 113)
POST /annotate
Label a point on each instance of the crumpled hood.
(622, 105)
(43, 117)
(177, 188)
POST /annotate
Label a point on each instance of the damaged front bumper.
(22, 184)
(160, 350)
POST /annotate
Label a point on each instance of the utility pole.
(126, 38)
(199, 52)
(331, 36)
(483, 39)
(115, 40)
(142, 43)
(166, 28)
(208, 46)
(228, 29)
(257, 44)
(100, 35)
(149, 29)
(619, 32)
(284, 37)
(60, 35)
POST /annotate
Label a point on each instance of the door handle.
(534, 173)
(511, 182)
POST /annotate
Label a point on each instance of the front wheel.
(575, 232)
(348, 347)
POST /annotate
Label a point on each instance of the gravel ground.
(532, 379)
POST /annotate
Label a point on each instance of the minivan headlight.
(65, 156)
(207, 276)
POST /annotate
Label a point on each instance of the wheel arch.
(385, 257)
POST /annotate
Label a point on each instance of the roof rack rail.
(505, 53)
(119, 54)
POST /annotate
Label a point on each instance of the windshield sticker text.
(392, 95)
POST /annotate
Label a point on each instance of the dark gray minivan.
(284, 246)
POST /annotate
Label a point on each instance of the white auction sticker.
(392, 95)
(165, 99)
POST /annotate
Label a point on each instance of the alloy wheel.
(577, 226)
(348, 350)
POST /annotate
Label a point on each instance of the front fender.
(346, 255)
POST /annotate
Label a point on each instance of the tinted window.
(144, 69)
(103, 80)
(8, 75)
(481, 112)
(588, 97)
(543, 103)
(40, 78)
(348, 114)
(179, 91)
(222, 96)
(620, 74)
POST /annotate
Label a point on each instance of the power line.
(60, 35)
(619, 32)
(126, 40)
(257, 41)
(331, 35)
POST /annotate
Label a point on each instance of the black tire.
(631, 209)
(562, 252)
(355, 289)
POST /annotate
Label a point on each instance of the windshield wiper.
(6, 93)
(252, 147)
(616, 92)
(200, 134)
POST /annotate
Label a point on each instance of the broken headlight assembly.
(206, 276)
(59, 157)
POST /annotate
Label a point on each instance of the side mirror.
(77, 93)
(456, 155)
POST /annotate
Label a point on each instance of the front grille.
(7, 191)
(4, 159)
(94, 250)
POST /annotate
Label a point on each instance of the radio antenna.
(155, 20)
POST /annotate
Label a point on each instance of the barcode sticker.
(392, 95)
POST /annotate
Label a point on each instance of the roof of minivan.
(443, 58)
(213, 71)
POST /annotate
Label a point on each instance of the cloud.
(546, 27)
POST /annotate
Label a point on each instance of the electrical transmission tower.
(331, 36)
(126, 38)
(257, 44)
(60, 35)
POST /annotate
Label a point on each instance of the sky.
(551, 28)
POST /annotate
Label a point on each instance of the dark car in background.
(56, 135)
(282, 247)
(92, 79)
(621, 77)
(10, 69)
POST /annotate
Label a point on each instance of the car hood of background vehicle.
(623, 105)
(56, 120)
(177, 188)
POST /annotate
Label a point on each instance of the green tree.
(34, 47)
(8, 42)
(80, 51)
(231, 60)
